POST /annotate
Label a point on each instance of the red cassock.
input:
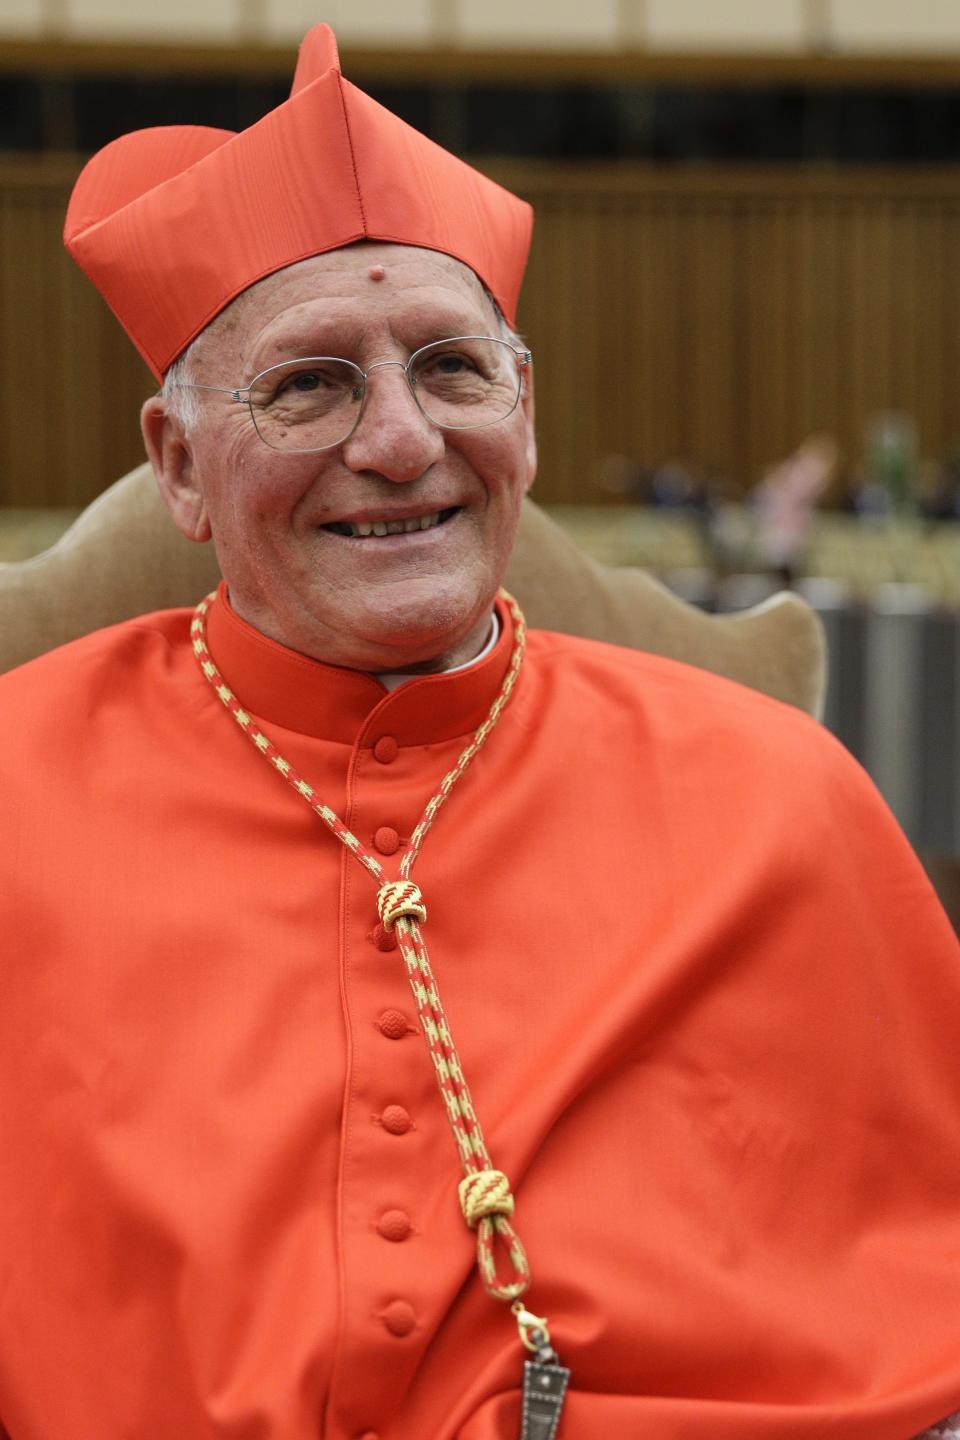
(706, 1003)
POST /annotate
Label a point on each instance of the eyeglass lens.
(315, 403)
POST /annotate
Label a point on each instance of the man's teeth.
(363, 528)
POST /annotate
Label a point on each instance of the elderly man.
(702, 996)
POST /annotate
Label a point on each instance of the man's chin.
(418, 627)
(418, 623)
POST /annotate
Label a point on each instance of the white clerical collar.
(392, 680)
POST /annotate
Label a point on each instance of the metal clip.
(534, 1333)
(545, 1380)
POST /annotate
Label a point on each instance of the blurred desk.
(862, 554)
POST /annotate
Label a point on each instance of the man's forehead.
(366, 272)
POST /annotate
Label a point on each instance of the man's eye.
(310, 382)
(452, 364)
(305, 381)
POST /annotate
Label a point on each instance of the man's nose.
(393, 437)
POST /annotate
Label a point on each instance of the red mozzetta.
(725, 1091)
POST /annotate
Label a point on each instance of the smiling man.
(672, 1105)
(380, 544)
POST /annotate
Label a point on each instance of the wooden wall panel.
(819, 383)
(755, 308)
(715, 317)
(70, 383)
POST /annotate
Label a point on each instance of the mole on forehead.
(377, 272)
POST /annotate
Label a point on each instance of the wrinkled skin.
(418, 602)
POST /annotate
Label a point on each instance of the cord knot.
(400, 898)
(485, 1192)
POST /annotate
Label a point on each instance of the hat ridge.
(318, 54)
(131, 166)
(342, 93)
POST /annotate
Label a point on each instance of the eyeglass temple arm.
(242, 394)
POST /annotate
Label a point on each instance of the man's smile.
(390, 525)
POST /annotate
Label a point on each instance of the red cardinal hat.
(172, 223)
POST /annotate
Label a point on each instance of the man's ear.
(171, 456)
(527, 406)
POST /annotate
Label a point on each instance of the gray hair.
(183, 404)
(511, 336)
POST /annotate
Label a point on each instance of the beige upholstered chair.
(124, 557)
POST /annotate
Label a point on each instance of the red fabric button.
(396, 1120)
(399, 1318)
(387, 840)
(393, 1024)
(383, 939)
(394, 1225)
(386, 749)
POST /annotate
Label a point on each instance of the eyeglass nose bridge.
(403, 365)
(382, 364)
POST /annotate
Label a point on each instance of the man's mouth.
(364, 529)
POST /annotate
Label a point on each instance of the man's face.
(410, 600)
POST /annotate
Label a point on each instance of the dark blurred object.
(760, 123)
(624, 478)
(939, 489)
(673, 485)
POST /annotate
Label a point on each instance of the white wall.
(919, 27)
(740, 25)
(927, 26)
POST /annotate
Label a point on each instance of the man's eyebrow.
(446, 323)
(304, 338)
